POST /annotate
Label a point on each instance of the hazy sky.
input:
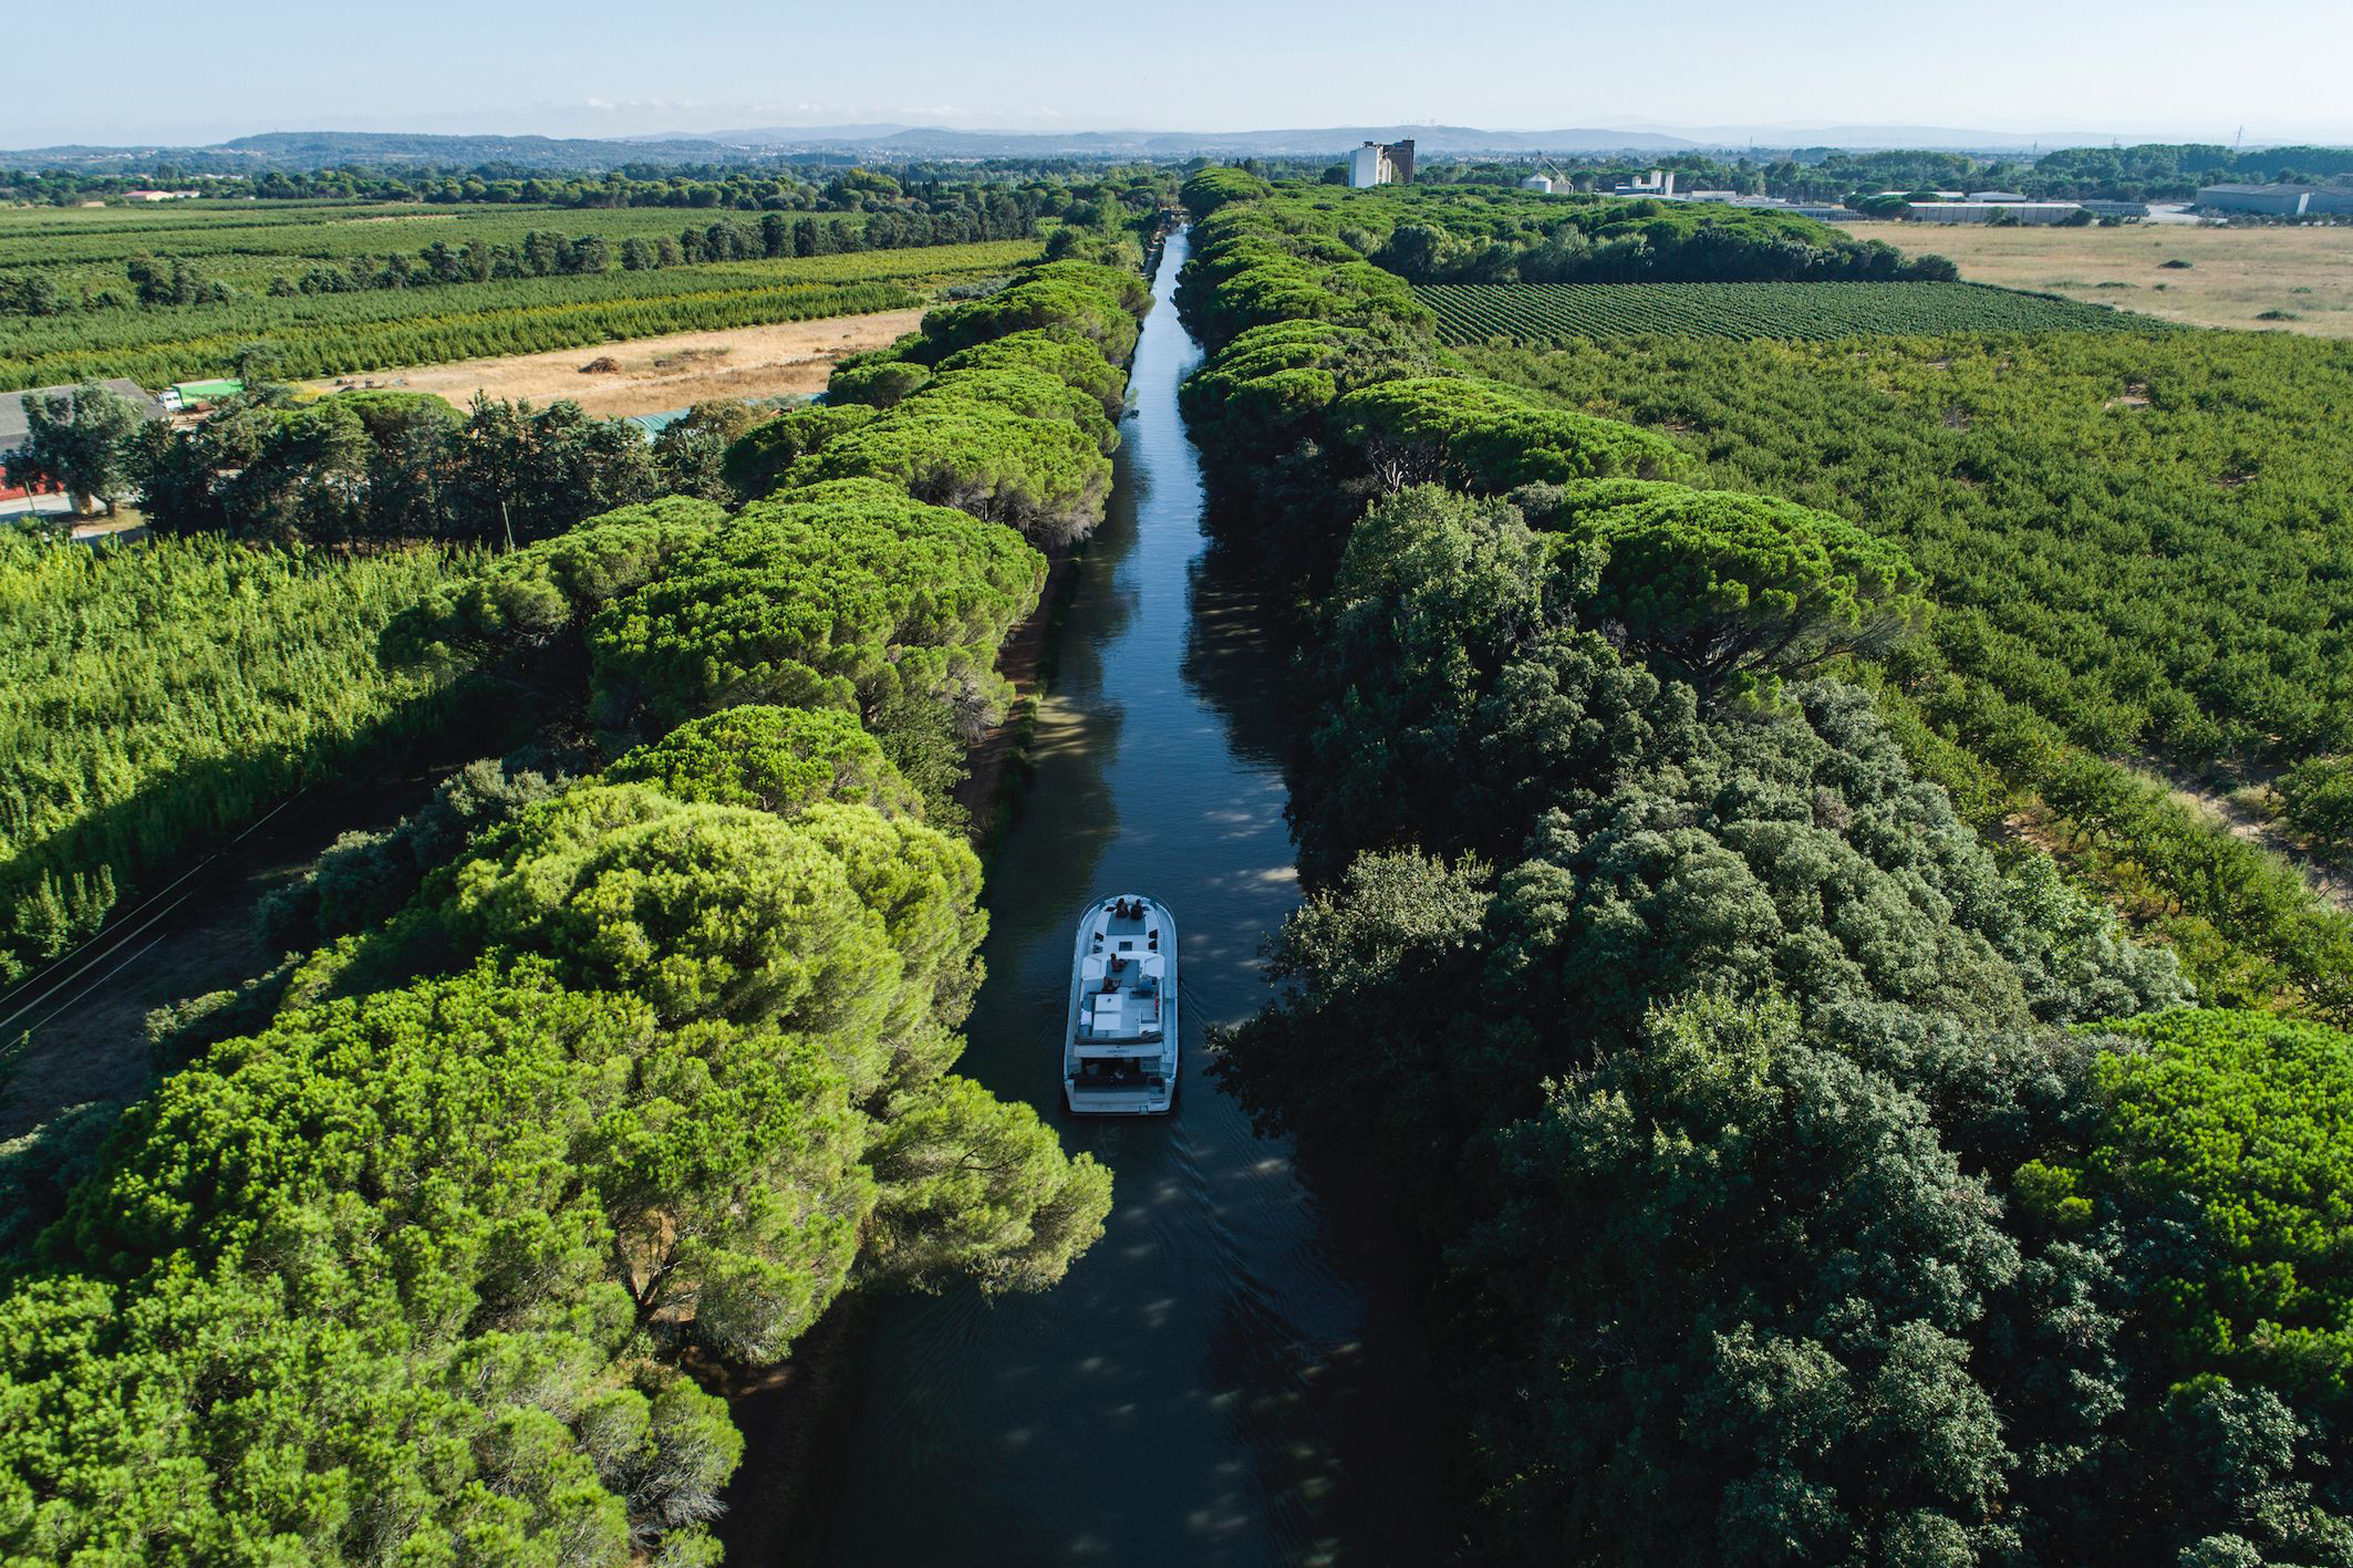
(146, 72)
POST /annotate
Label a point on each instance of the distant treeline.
(930, 187)
(2149, 171)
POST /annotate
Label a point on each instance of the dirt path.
(2332, 882)
(655, 375)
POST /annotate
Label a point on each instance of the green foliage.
(393, 466)
(709, 911)
(1487, 234)
(1032, 394)
(2316, 801)
(690, 453)
(1555, 315)
(1483, 435)
(2132, 544)
(1100, 304)
(1712, 1049)
(80, 441)
(1678, 1330)
(757, 461)
(364, 879)
(162, 695)
(1054, 351)
(2191, 620)
(1048, 477)
(356, 1256)
(1723, 590)
(551, 589)
(398, 1263)
(781, 760)
(2250, 1118)
(827, 594)
(881, 383)
(976, 1187)
(1216, 185)
(333, 333)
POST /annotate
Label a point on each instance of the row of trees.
(579, 1074)
(540, 253)
(155, 700)
(546, 254)
(381, 467)
(819, 185)
(1776, 1211)
(1455, 234)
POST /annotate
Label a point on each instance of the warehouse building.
(1988, 212)
(2275, 201)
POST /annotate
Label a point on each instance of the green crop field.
(1544, 314)
(332, 334)
(247, 245)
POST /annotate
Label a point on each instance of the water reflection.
(1215, 1382)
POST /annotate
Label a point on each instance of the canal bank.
(1219, 1381)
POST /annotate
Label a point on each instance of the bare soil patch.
(651, 375)
(2233, 275)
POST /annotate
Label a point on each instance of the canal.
(1224, 1379)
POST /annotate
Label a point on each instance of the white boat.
(1119, 1043)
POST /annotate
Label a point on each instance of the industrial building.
(1989, 211)
(1381, 164)
(2275, 201)
(1821, 212)
(1657, 182)
(1538, 183)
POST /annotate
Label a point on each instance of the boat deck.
(1121, 983)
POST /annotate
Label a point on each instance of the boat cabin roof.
(1123, 977)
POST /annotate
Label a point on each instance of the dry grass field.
(2234, 276)
(655, 375)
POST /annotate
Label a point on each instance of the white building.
(1657, 182)
(1538, 183)
(1381, 164)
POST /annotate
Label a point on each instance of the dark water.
(1219, 1381)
